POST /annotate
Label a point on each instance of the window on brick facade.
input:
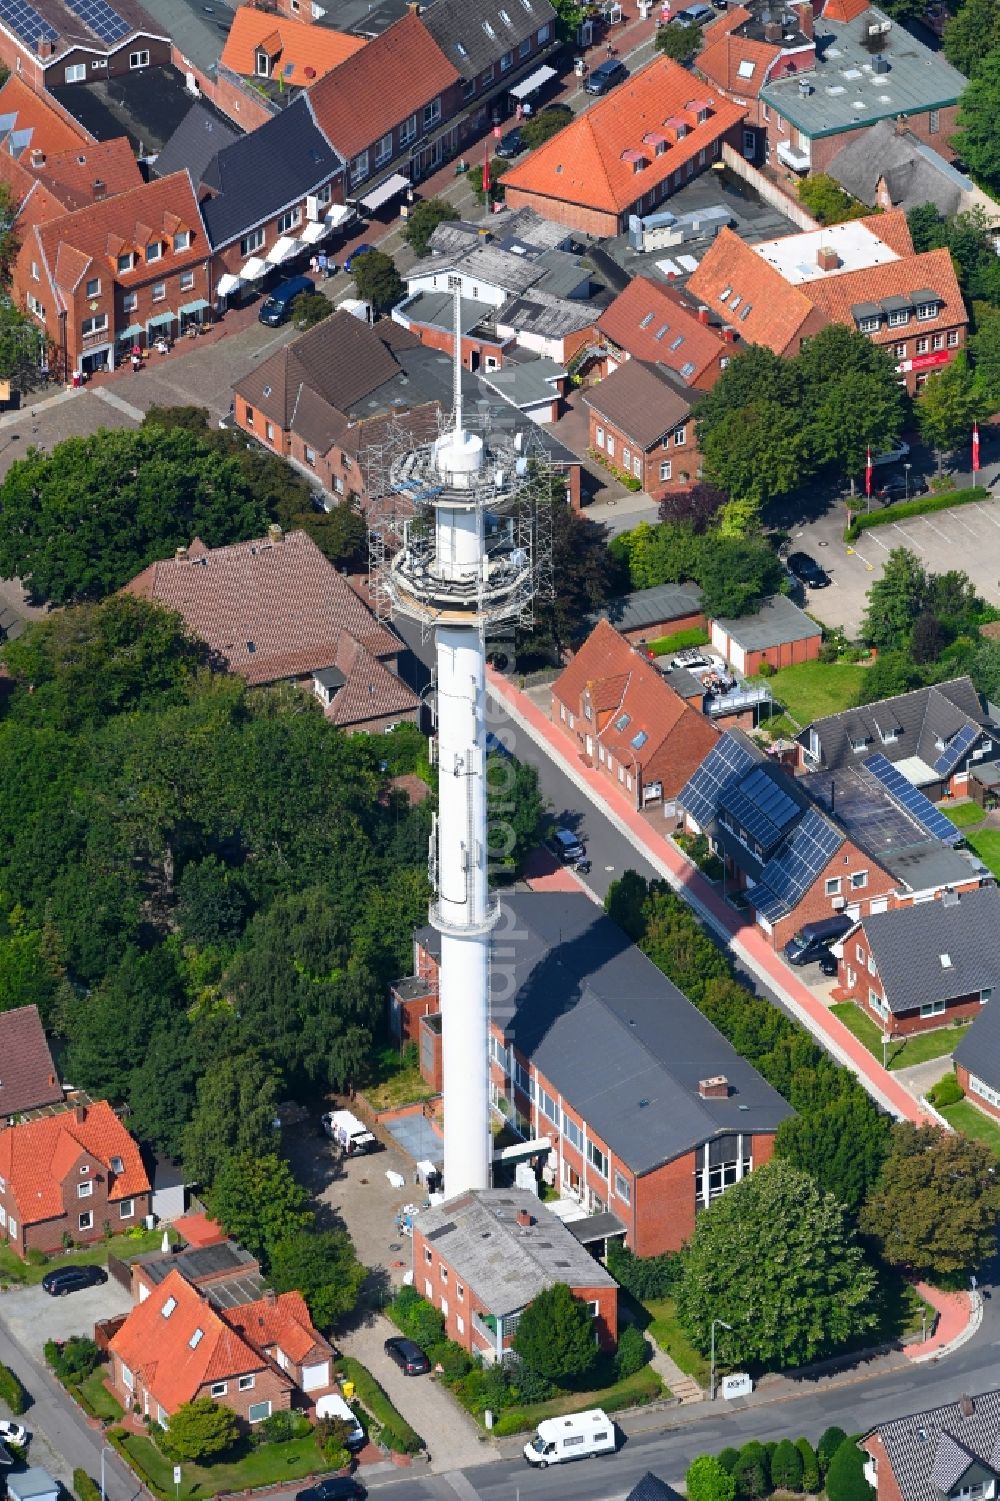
(258, 1411)
(408, 130)
(932, 1008)
(953, 338)
(138, 59)
(187, 281)
(86, 1220)
(383, 151)
(833, 886)
(126, 262)
(933, 121)
(126, 1209)
(76, 73)
(84, 1190)
(937, 342)
(251, 242)
(94, 287)
(154, 251)
(859, 879)
(182, 239)
(432, 113)
(623, 1188)
(359, 166)
(130, 302)
(95, 325)
(289, 219)
(597, 1159)
(159, 291)
(571, 1130)
(246, 1383)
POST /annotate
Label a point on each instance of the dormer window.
(926, 311)
(870, 324)
(126, 262)
(154, 250)
(899, 317)
(117, 1165)
(858, 745)
(182, 239)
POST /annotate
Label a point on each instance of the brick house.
(646, 614)
(495, 48)
(801, 849)
(625, 719)
(176, 1346)
(653, 322)
(51, 164)
(276, 610)
(48, 44)
(483, 1257)
(113, 274)
(641, 422)
(977, 1063)
(925, 966)
(744, 49)
(71, 1174)
(638, 1159)
(269, 59)
(864, 274)
(28, 1079)
(945, 1452)
(627, 153)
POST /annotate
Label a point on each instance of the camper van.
(575, 1437)
(333, 1406)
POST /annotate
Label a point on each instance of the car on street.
(511, 144)
(567, 848)
(695, 15)
(276, 308)
(71, 1279)
(897, 489)
(362, 249)
(806, 569)
(409, 1357)
(606, 76)
(13, 1433)
(337, 1488)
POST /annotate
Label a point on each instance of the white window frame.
(432, 113)
(159, 291)
(126, 1209)
(138, 59)
(85, 1190)
(129, 263)
(246, 1383)
(833, 886)
(187, 281)
(218, 1388)
(383, 150)
(76, 73)
(932, 1008)
(93, 286)
(251, 242)
(666, 469)
(408, 130)
(154, 252)
(359, 166)
(289, 219)
(623, 1188)
(85, 1221)
(261, 1416)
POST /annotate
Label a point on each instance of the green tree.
(237, 1104)
(200, 1431)
(830, 1441)
(893, 672)
(984, 346)
(948, 404)
(539, 128)
(843, 1144)
(708, 1480)
(984, 668)
(310, 308)
(212, 903)
(23, 344)
(777, 1260)
(737, 574)
(555, 1335)
(845, 1479)
(977, 139)
(810, 1466)
(258, 1202)
(583, 570)
(377, 280)
(752, 1472)
(757, 452)
(894, 601)
(927, 639)
(786, 1467)
(971, 34)
(863, 408)
(632, 1353)
(515, 810)
(826, 200)
(679, 41)
(676, 943)
(323, 1267)
(934, 1210)
(423, 219)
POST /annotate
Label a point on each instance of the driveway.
(452, 1438)
(32, 1316)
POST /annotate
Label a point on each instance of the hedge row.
(12, 1392)
(678, 641)
(84, 1488)
(395, 1432)
(921, 507)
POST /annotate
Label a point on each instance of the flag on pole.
(868, 475)
(486, 175)
(975, 448)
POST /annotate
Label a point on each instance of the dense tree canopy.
(555, 1335)
(583, 573)
(972, 34)
(978, 137)
(826, 200)
(736, 574)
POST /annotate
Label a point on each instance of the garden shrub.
(827, 1447)
(729, 1458)
(810, 1466)
(84, 1489)
(644, 1276)
(708, 1480)
(947, 1091)
(35, 1257)
(453, 1360)
(633, 1352)
(73, 1359)
(845, 1479)
(417, 1318)
(786, 1467)
(337, 1456)
(394, 1431)
(921, 507)
(752, 1472)
(12, 1392)
(284, 1425)
(528, 1385)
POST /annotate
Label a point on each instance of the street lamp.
(105, 1449)
(722, 1323)
(906, 471)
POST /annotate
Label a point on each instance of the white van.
(574, 1437)
(333, 1406)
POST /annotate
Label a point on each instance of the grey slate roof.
(199, 137)
(460, 29)
(650, 607)
(526, 383)
(652, 1488)
(914, 173)
(911, 944)
(777, 622)
(507, 1264)
(267, 171)
(979, 1049)
(926, 1447)
(540, 312)
(437, 310)
(918, 718)
(622, 1045)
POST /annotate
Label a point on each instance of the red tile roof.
(269, 609)
(28, 1076)
(310, 52)
(396, 74)
(585, 163)
(647, 319)
(934, 269)
(71, 175)
(280, 1321)
(625, 688)
(844, 10)
(720, 62)
(52, 127)
(780, 315)
(36, 1156)
(199, 1230)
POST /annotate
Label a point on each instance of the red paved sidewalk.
(745, 937)
(954, 1311)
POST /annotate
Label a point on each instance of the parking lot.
(33, 1317)
(965, 538)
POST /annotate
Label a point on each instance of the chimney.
(37, 158)
(274, 533)
(80, 1114)
(772, 31)
(806, 19)
(99, 187)
(524, 1219)
(44, 47)
(966, 1406)
(702, 313)
(728, 334)
(180, 554)
(715, 1088)
(901, 125)
(413, 6)
(270, 1297)
(827, 258)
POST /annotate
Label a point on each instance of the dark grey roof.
(525, 383)
(595, 1227)
(263, 173)
(199, 137)
(437, 310)
(198, 1262)
(657, 606)
(507, 1264)
(679, 679)
(622, 1045)
(919, 719)
(936, 951)
(197, 30)
(540, 312)
(429, 939)
(979, 1049)
(475, 34)
(651, 1488)
(927, 1447)
(777, 622)
(146, 105)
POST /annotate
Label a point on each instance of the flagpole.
(975, 452)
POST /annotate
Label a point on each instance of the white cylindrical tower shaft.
(463, 911)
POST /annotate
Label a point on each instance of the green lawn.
(812, 690)
(271, 1464)
(634, 1391)
(396, 1080)
(665, 1329)
(95, 1398)
(963, 815)
(986, 844)
(125, 1247)
(972, 1122)
(919, 1049)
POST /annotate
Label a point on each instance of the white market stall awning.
(227, 284)
(281, 250)
(385, 191)
(253, 269)
(315, 231)
(338, 214)
(532, 82)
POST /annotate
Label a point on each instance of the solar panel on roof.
(101, 19)
(787, 877)
(956, 749)
(724, 764)
(25, 21)
(912, 799)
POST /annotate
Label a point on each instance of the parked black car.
(511, 144)
(409, 1357)
(71, 1279)
(567, 848)
(337, 1488)
(808, 571)
(897, 489)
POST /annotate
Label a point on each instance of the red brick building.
(176, 1346)
(949, 1452)
(52, 44)
(641, 425)
(653, 322)
(268, 58)
(69, 1174)
(643, 1142)
(627, 153)
(483, 1257)
(746, 48)
(779, 635)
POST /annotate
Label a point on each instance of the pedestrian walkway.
(959, 1316)
(682, 1386)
